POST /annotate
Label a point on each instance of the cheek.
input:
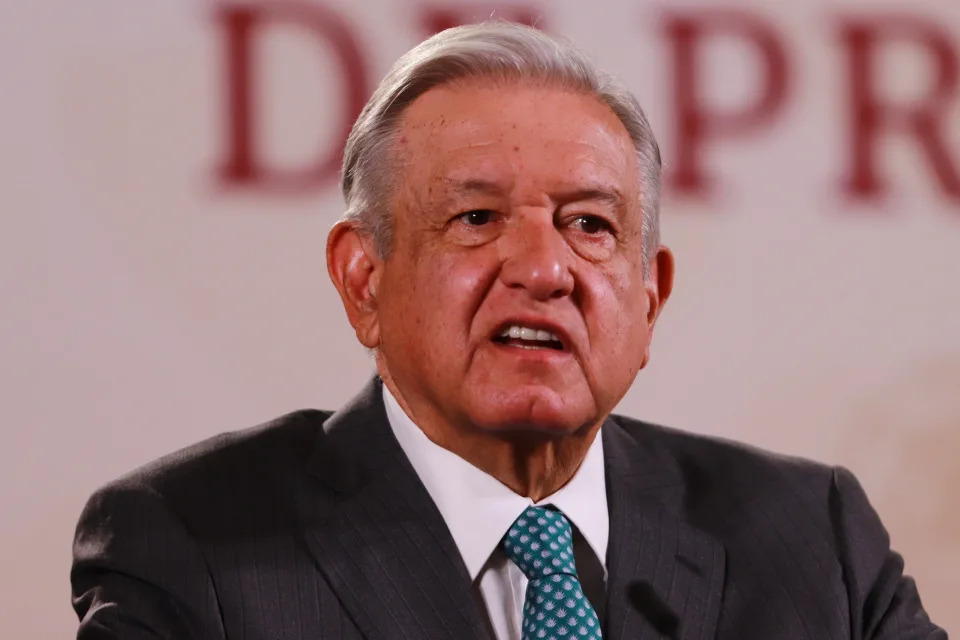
(617, 310)
(453, 286)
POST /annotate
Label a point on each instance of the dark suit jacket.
(316, 526)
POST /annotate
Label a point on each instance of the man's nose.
(537, 258)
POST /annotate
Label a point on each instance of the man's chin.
(532, 411)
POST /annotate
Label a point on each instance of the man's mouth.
(528, 338)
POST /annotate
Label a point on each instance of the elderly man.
(500, 257)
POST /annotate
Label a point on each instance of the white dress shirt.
(479, 510)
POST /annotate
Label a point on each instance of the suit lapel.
(665, 577)
(377, 536)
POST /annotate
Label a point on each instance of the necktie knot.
(540, 542)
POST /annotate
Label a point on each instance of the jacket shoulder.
(228, 474)
(288, 438)
(728, 484)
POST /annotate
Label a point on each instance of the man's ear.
(658, 285)
(355, 271)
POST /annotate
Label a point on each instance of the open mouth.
(528, 338)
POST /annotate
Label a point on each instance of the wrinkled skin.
(514, 204)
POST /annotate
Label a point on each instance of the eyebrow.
(605, 194)
(475, 186)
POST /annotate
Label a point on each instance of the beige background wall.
(146, 305)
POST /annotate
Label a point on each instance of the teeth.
(528, 333)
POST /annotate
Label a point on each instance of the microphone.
(652, 607)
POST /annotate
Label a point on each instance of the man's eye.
(477, 217)
(591, 225)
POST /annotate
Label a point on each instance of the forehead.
(514, 134)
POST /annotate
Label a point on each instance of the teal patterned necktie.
(540, 542)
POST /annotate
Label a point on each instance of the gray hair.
(500, 50)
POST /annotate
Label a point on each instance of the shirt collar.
(478, 509)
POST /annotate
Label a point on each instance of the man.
(500, 257)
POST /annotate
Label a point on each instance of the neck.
(528, 463)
